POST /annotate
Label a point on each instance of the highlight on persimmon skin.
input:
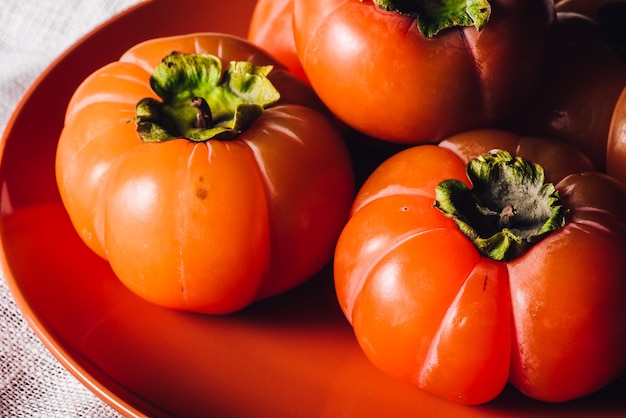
(443, 295)
(407, 84)
(271, 28)
(206, 197)
(172, 167)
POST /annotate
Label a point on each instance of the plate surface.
(293, 355)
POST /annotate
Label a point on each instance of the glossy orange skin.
(209, 226)
(427, 308)
(378, 74)
(271, 28)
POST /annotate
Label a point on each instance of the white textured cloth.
(32, 34)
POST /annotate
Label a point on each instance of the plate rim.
(74, 362)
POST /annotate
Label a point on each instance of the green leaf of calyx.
(199, 102)
(244, 116)
(180, 73)
(508, 208)
(250, 83)
(434, 16)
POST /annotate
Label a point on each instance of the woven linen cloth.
(32, 34)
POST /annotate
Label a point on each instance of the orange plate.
(291, 356)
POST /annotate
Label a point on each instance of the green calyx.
(508, 208)
(436, 15)
(199, 103)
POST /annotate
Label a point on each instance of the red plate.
(290, 356)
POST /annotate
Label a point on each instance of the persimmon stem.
(204, 119)
(505, 218)
(199, 101)
(508, 208)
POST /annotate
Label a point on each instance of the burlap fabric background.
(32, 34)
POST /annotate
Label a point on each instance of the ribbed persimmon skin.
(379, 74)
(426, 307)
(207, 226)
